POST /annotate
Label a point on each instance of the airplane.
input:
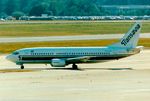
(63, 56)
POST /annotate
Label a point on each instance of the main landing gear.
(22, 67)
(75, 67)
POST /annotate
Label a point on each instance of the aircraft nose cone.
(11, 58)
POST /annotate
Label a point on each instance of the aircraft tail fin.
(131, 38)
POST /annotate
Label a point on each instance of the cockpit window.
(15, 53)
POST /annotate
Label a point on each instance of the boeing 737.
(63, 56)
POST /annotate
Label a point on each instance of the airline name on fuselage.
(129, 37)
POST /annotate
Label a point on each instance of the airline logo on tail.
(130, 36)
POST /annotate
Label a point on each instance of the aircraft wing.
(82, 58)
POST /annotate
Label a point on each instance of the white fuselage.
(46, 55)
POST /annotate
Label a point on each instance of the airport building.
(130, 10)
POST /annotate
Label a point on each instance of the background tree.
(17, 14)
(69, 7)
(11, 6)
(39, 9)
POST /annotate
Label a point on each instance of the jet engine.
(58, 63)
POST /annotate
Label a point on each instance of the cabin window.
(15, 53)
(32, 51)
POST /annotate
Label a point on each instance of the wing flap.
(82, 58)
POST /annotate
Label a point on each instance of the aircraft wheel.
(22, 66)
(75, 67)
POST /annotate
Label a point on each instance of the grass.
(61, 28)
(10, 47)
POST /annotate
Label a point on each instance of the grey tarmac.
(126, 79)
(66, 38)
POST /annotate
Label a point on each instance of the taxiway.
(66, 38)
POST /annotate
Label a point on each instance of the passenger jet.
(63, 56)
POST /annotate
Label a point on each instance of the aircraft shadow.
(50, 69)
(107, 69)
(81, 69)
(84, 69)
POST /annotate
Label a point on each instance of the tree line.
(66, 7)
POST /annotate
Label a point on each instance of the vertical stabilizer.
(131, 38)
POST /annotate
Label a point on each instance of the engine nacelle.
(58, 63)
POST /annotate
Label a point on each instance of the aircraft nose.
(11, 58)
